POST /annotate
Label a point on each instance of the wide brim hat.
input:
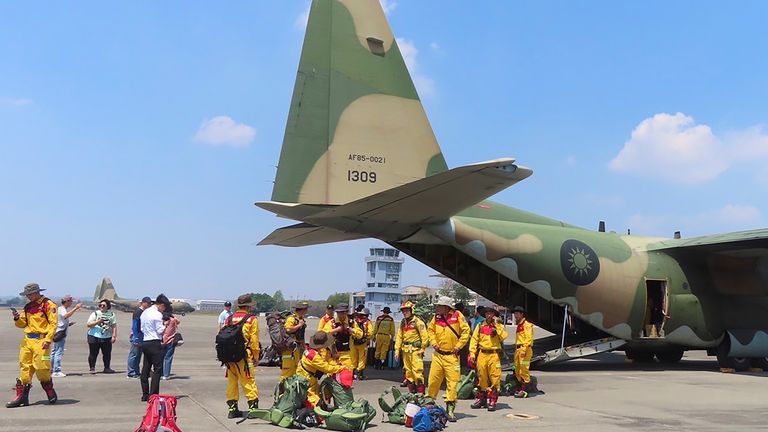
(342, 307)
(320, 340)
(363, 311)
(518, 309)
(301, 305)
(406, 305)
(31, 288)
(245, 300)
(487, 309)
(444, 301)
(386, 309)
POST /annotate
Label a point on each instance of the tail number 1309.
(361, 176)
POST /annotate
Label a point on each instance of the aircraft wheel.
(640, 356)
(760, 362)
(670, 356)
(183, 314)
(741, 364)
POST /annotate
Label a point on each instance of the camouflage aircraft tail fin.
(105, 290)
(356, 125)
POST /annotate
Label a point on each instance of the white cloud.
(424, 84)
(223, 131)
(15, 102)
(729, 218)
(388, 6)
(301, 21)
(676, 149)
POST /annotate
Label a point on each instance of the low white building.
(210, 305)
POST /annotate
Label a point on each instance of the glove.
(471, 362)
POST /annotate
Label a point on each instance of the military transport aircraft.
(105, 290)
(360, 159)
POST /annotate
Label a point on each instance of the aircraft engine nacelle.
(747, 343)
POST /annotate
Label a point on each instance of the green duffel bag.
(466, 387)
(334, 394)
(396, 412)
(351, 416)
(290, 396)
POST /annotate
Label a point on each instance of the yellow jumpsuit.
(445, 364)
(360, 345)
(326, 323)
(383, 332)
(523, 351)
(411, 341)
(38, 319)
(343, 341)
(290, 358)
(485, 348)
(313, 364)
(238, 372)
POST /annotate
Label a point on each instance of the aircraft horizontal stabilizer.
(306, 235)
(402, 210)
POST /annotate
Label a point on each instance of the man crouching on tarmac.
(38, 319)
(317, 361)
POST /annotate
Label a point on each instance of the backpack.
(429, 419)
(160, 416)
(466, 387)
(333, 393)
(269, 357)
(510, 385)
(230, 342)
(290, 397)
(281, 340)
(396, 412)
(351, 416)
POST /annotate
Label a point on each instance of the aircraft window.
(376, 46)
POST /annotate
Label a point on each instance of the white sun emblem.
(581, 262)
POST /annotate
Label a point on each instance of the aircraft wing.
(305, 235)
(744, 244)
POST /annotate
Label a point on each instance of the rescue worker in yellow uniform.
(343, 332)
(326, 321)
(523, 351)
(360, 345)
(410, 342)
(315, 362)
(242, 372)
(383, 332)
(38, 319)
(296, 327)
(448, 333)
(485, 354)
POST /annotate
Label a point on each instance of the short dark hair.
(228, 303)
(162, 299)
(107, 302)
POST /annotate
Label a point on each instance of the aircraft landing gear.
(670, 356)
(639, 356)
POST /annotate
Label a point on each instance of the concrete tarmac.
(601, 394)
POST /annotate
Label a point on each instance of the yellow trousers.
(413, 363)
(33, 359)
(489, 371)
(382, 346)
(290, 361)
(444, 367)
(344, 358)
(359, 356)
(523, 364)
(313, 393)
(236, 373)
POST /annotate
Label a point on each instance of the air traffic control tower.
(384, 266)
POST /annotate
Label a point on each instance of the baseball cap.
(146, 299)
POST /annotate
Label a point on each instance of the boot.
(22, 395)
(451, 408)
(411, 387)
(355, 376)
(493, 397)
(361, 375)
(405, 383)
(480, 402)
(253, 405)
(49, 391)
(234, 411)
(420, 389)
(521, 393)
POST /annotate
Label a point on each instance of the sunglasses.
(102, 305)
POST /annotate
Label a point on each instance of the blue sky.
(136, 137)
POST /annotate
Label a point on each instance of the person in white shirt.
(151, 347)
(226, 313)
(61, 329)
